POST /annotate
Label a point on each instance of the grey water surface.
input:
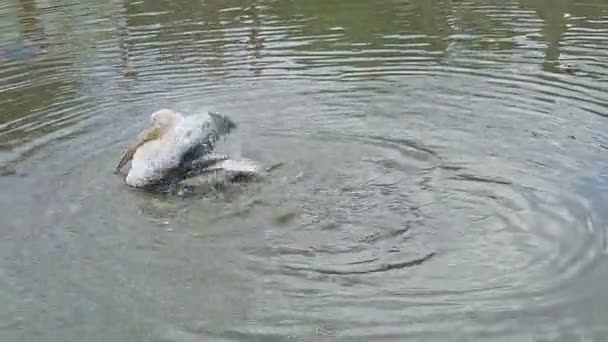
(444, 176)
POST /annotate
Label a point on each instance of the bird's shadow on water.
(165, 204)
(209, 185)
(164, 201)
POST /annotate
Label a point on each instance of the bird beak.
(148, 134)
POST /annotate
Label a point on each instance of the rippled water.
(444, 173)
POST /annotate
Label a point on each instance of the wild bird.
(175, 147)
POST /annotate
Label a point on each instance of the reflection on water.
(443, 171)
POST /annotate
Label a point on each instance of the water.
(444, 171)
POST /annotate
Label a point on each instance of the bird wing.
(203, 133)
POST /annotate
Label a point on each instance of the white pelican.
(173, 143)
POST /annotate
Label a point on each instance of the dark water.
(444, 176)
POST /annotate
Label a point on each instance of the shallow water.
(444, 171)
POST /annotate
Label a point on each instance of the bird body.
(172, 142)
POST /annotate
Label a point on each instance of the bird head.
(160, 122)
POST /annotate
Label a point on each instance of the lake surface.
(444, 177)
